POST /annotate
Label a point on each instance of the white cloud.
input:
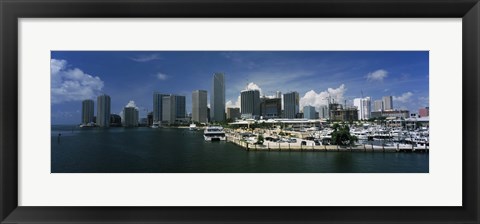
(232, 103)
(378, 75)
(404, 98)
(131, 103)
(146, 58)
(253, 86)
(161, 76)
(311, 98)
(72, 84)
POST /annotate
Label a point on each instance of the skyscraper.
(291, 104)
(364, 107)
(157, 106)
(199, 106)
(180, 106)
(217, 98)
(309, 112)
(271, 107)
(130, 115)
(233, 113)
(103, 110)
(387, 103)
(87, 111)
(323, 112)
(169, 107)
(378, 105)
(250, 103)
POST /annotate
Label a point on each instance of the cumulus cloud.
(146, 58)
(253, 86)
(378, 75)
(161, 76)
(131, 103)
(232, 103)
(72, 84)
(312, 98)
(405, 97)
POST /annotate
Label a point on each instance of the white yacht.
(192, 127)
(155, 125)
(214, 133)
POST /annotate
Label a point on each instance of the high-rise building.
(233, 113)
(291, 104)
(323, 112)
(271, 107)
(387, 103)
(130, 117)
(250, 103)
(115, 120)
(180, 106)
(217, 98)
(87, 111)
(378, 105)
(199, 106)
(309, 112)
(150, 119)
(169, 107)
(364, 107)
(157, 106)
(103, 110)
(278, 94)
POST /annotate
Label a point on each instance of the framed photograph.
(249, 112)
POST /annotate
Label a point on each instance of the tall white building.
(387, 103)
(103, 110)
(364, 107)
(378, 105)
(199, 106)
(217, 98)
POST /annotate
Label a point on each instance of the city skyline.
(135, 76)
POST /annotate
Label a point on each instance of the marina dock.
(310, 146)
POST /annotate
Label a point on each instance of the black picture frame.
(11, 11)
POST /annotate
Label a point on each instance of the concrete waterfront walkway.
(310, 146)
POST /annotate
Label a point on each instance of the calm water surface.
(164, 150)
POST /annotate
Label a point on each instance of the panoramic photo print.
(239, 111)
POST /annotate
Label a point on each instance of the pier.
(311, 146)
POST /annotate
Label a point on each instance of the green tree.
(260, 139)
(341, 135)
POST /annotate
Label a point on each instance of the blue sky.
(134, 76)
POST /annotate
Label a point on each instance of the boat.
(155, 125)
(192, 127)
(214, 133)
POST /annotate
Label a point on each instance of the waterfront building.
(387, 103)
(338, 113)
(424, 112)
(217, 98)
(87, 111)
(309, 112)
(180, 107)
(169, 109)
(130, 115)
(364, 107)
(150, 119)
(233, 113)
(115, 120)
(323, 112)
(103, 110)
(271, 107)
(157, 106)
(391, 113)
(199, 106)
(278, 95)
(291, 104)
(250, 103)
(378, 105)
